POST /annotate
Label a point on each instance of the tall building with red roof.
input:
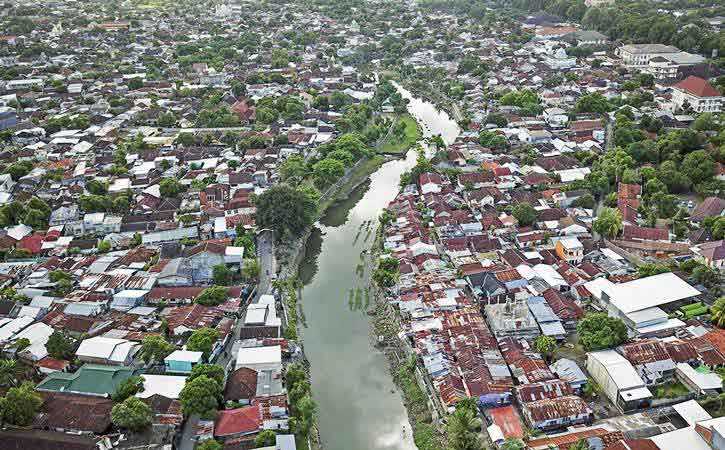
(698, 93)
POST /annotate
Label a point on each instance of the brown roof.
(241, 384)
(645, 352)
(74, 412)
(44, 440)
(711, 206)
(697, 87)
(555, 408)
(645, 233)
(633, 444)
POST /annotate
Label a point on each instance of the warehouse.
(618, 379)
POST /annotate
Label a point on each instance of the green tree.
(202, 340)
(131, 414)
(461, 427)
(327, 171)
(608, 223)
(649, 269)
(513, 444)
(60, 346)
(592, 103)
(546, 345)
(155, 349)
(698, 166)
(266, 438)
(20, 405)
(212, 296)
(717, 312)
(209, 444)
(127, 388)
(8, 372)
(171, 187)
(599, 331)
(104, 247)
(135, 83)
(585, 201)
(525, 214)
(212, 371)
(200, 396)
(222, 275)
(251, 269)
(286, 210)
(386, 274)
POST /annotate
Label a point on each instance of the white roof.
(597, 285)
(10, 328)
(649, 292)
(690, 410)
(685, 438)
(259, 355)
(131, 293)
(255, 315)
(184, 355)
(570, 243)
(112, 349)
(704, 381)
(619, 369)
(167, 385)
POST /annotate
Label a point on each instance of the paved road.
(265, 254)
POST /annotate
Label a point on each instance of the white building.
(639, 55)
(618, 379)
(698, 93)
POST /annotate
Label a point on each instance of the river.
(359, 406)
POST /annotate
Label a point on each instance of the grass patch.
(425, 435)
(714, 405)
(394, 145)
(672, 389)
(359, 174)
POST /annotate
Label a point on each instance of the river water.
(359, 406)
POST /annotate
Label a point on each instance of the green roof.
(89, 379)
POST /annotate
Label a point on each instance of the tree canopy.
(599, 331)
(286, 210)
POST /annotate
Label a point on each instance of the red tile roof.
(246, 420)
(506, 419)
(697, 87)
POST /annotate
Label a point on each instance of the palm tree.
(717, 312)
(461, 430)
(8, 372)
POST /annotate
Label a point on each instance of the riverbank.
(402, 363)
(395, 145)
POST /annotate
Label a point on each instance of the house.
(103, 350)
(238, 422)
(430, 182)
(618, 379)
(639, 55)
(260, 358)
(697, 94)
(556, 117)
(8, 118)
(182, 361)
(712, 254)
(583, 38)
(73, 413)
(555, 413)
(569, 371)
(90, 379)
(570, 250)
(650, 359)
(710, 207)
(699, 381)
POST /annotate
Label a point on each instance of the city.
(362, 225)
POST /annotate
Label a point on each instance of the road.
(265, 255)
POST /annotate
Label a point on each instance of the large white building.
(618, 379)
(639, 55)
(700, 95)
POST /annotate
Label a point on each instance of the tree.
(293, 167)
(209, 444)
(212, 371)
(461, 427)
(104, 247)
(546, 345)
(185, 139)
(586, 201)
(698, 166)
(513, 444)
(212, 296)
(20, 405)
(327, 171)
(222, 275)
(251, 269)
(135, 83)
(266, 438)
(592, 103)
(202, 340)
(386, 274)
(599, 331)
(200, 396)
(171, 187)
(608, 223)
(8, 372)
(650, 269)
(717, 312)
(60, 346)
(525, 214)
(155, 349)
(127, 388)
(286, 210)
(131, 414)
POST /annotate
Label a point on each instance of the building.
(103, 350)
(182, 361)
(512, 319)
(618, 379)
(639, 55)
(8, 118)
(670, 66)
(650, 359)
(555, 413)
(570, 250)
(598, 3)
(697, 94)
(586, 38)
(260, 358)
(90, 379)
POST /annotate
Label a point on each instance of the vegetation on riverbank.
(400, 143)
(425, 435)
